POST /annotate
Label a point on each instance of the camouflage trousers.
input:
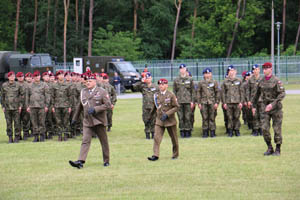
(149, 120)
(208, 114)
(233, 115)
(109, 114)
(256, 120)
(25, 121)
(37, 116)
(50, 121)
(185, 116)
(225, 117)
(276, 116)
(62, 118)
(12, 121)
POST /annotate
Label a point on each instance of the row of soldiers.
(45, 108)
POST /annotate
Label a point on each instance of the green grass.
(219, 168)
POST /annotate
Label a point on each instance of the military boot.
(147, 136)
(230, 133)
(260, 131)
(108, 128)
(26, 135)
(152, 135)
(237, 133)
(212, 133)
(182, 133)
(10, 139)
(277, 150)
(78, 164)
(42, 138)
(205, 134)
(59, 137)
(66, 136)
(17, 138)
(255, 132)
(270, 150)
(36, 138)
(188, 133)
(50, 136)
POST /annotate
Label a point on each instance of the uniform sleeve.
(47, 96)
(255, 96)
(281, 93)
(2, 97)
(217, 93)
(21, 96)
(242, 93)
(137, 86)
(106, 104)
(27, 96)
(113, 95)
(223, 92)
(70, 96)
(175, 106)
(198, 93)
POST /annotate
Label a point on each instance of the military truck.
(18, 62)
(109, 64)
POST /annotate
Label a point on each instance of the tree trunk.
(66, 6)
(54, 24)
(236, 26)
(17, 25)
(82, 27)
(48, 16)
(34, 25)
(136, 5)
(194, 18)
(298, 32)
(76, 23)
(175, 27)
(91, 28)
(283, 23)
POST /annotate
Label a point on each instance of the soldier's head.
(91, 81)
(148, 78)
(51, 77)
(162, 84)
(20, 77)
(45, 77)
(248, 75)
(11, 76)
(105, 78)
(207, 73)
(231, 71)
(28, 77)
(267, 67)
(255, 69)
(74, 77)
(182, 69)
(36, 76)
(68, 76)
(60, 75)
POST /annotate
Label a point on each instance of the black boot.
(66, 135)
(42, 138)
(17, 138)
(260, 131)
(255, 132)
(50, 136)
(249, 126)
(78, 163)
(152, 135)
(188, 133)
(230, 133)
(205, 133)
(212, 133)
(108, 128)
(237, 133)
(26, 135)
(153, 158)
(277, 150)
(148, 136)
(182, 134)
(270, 150)
(36, 138)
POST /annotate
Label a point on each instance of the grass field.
(219, 168)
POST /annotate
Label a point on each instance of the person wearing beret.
(94, 102)
(208, 99)
(247, 113)
(12, 103)
(271, 91)
(166, 106)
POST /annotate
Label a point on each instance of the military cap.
(104, 76)
(67, 73)
(28, 74)
(36, 73)
(45, 74)
(19, 74)
(248, 73)
(10, 73)
(255, 66)
(182, 66)
(207, 70)
(73, 74)
(230, 67)
(59, 72)
(162, 81)
(244, 73)
(51, 74)
(91, 76)
(267, 65)
(148, 75)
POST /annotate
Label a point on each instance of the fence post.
(171, 71)
(286, 70)
(223, 70)
(197, 71)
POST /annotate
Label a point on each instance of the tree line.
(148, 29)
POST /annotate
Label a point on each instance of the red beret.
(67, 73)
(10, 73)
(162, 81)
(51, 74)
(73, 74)
(267, 65)
(28, 74)
(244, 73)
(91, 76)
(36, 73)
(59, 72)
(19, 74)
(45, 74)
(105, 76)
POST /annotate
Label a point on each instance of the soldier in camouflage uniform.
(247, 112)
(62, 104)
(48, 119)
(232, 96)
(253, 83)
(183, 88)
(208, 98)
(12, 103)
(26, 119)
(272, 92)
(37, 104)
(148, 89)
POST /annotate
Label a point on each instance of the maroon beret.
(162, 81)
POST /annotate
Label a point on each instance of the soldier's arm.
(2, 97)
(70, 97)
(255, 96)
(113, 96)
(137, 86)
(21, 97)
(223, 93)
(242, 93)
(47, 96)
(217, 93)
(281, 93)
(27, 97)
(198, 93)
(77, 112)
(175, 106)
(106, 104)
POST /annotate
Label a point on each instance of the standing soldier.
(12, 103)
(257, 117)
(27, 120)
(272, 92)
(37, 103)
(166, 106)
(61, 105)
(245, 88)
(48, 119)
(148, 89)
(208, 98)
(94, 104)
(244, 109)
(232, 96)
(183, 88)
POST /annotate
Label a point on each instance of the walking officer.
(272, 92)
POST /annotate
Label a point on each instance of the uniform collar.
(164, 92)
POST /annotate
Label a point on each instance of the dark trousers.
(208, 113)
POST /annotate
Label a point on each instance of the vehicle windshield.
(35, 61)
(46, 61)
(125, 67)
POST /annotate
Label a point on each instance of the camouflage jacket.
(12, 96)
(245, 90)
(76, 89)
(271, 92)
(253, 84)
(37, 95)
(61, 95)
(111, 92)
(232, 91)
(183, 88)
(147, 92)
(208, 92)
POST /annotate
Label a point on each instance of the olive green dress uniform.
(37, 98)
(96, 123)
(232, 95)
(113, 99)
(167, 104)
(208, 95)
(148, 108)
(183, 88)
(12, 99)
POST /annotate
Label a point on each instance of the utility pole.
(272, 35)
(278, 47)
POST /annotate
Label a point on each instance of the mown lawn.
(219, 168)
